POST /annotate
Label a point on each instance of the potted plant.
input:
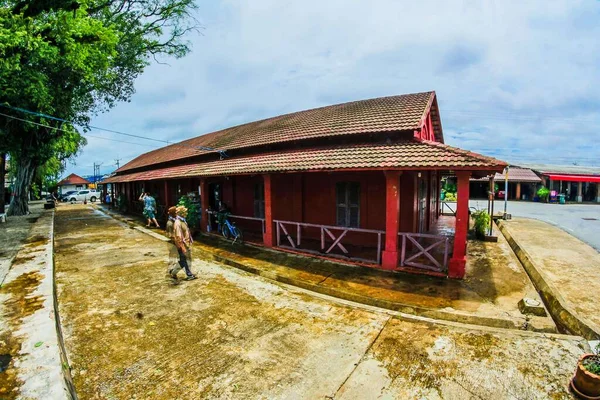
(482, 223)
(193, 214)
(543, 194)
(586, 381)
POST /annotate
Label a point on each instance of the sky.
(516, 80)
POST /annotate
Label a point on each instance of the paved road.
(580, 220)
(131, 333)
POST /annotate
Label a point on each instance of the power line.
(64, 130)
(221, 152)
(515, 116)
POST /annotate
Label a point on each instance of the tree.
(73, 59)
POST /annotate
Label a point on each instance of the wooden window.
(348, 204)
(259, 200)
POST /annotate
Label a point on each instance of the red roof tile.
(73, 179)
(395, 113)
(410, 154)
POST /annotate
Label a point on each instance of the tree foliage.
(72, 59)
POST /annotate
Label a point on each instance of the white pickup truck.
(85, 194)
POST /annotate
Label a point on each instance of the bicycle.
(228, 229)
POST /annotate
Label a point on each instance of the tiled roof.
(517, 175)
(409, 154)
(73, 179)
(395, 113)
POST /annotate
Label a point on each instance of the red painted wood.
(392, 219)
(409, 202)
(204, 204)
(268, 235)
(166, 194)
(456, 268)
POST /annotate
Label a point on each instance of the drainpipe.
(505, 190)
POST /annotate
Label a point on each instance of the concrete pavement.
(580, 220)
(30, 347)
(495, 282)
(131, 333)
(565, 270)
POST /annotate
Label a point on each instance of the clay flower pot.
(585, 384)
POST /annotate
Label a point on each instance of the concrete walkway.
(564, 269)
(131, 333)
(495, 282)
(13, 233)
(30, 349)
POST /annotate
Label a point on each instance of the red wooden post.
(456, 269)
(166, 188)
(268, 238)
(204, 205)
(389, 258)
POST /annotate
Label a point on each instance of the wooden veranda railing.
(424, 251)
(447, 208)
(331, 238)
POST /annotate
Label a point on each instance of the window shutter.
(354, 217)
(259, 201)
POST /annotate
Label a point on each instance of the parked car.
(65, 196)
(86, 194)
(500, 194)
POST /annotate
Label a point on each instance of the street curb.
(555, 303)
(66, 368)
(341, 294)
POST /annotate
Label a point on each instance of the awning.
(574, 178)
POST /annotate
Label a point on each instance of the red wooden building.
(359, 181)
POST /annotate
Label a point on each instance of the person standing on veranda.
(183, 241)
(149, 209)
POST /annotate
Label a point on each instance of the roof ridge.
(378, 114)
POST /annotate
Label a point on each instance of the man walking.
(170, 228)
(183, 240)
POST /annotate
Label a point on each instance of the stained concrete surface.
(131, 333)
(570, 266)
(494, 284)
(28, 336)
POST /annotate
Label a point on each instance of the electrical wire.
(64, 130)
(38, 114)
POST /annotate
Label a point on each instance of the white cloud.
(493, 64)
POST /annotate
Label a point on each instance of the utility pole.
(117, 162)
(505, 191)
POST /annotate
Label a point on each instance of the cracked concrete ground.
(131, 333)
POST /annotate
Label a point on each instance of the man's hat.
(181, 209)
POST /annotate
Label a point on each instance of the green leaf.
(38, 344)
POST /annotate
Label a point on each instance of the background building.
(72, 182)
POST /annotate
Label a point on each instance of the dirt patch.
(19, 305)
(36, 240)
(22, 260)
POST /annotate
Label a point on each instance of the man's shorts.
(149, 214)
